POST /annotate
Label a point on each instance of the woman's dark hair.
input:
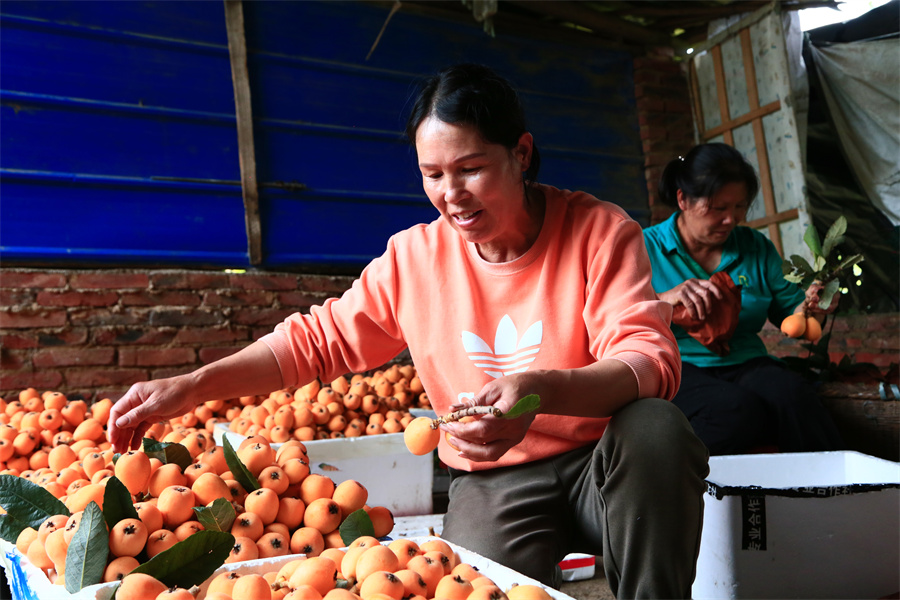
(474, 95)
(703, 171)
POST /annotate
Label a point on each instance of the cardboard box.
(804, 525)
(394, 477)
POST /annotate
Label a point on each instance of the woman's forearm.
(597, 390)
(250, 372)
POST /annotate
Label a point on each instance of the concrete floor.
(595, 588)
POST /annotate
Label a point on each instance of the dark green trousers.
(635, 497)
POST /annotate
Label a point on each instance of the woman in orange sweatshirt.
(517, 288)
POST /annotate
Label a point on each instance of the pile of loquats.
(366, 569)
(361, 405)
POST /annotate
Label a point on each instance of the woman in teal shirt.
(745, 398)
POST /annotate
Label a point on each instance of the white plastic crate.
(394, 477)
(800, 525)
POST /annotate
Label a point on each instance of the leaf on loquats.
(168, 452)
(117, 503)
(88, 550)
(27, 502)
(190, 561)
(218, 516)
(238, 469)
(356, 524)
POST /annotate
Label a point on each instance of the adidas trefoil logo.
(510, 354)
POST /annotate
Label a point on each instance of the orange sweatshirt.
(580, 294)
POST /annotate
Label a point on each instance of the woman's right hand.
(697, 296)
(145, 404)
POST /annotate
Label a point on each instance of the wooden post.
(237, 51)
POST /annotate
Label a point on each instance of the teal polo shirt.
(754, 265)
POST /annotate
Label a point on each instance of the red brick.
(13, 359)
(65, 357)
(271, 316)
(211, 335)
(189, 280)
(325, 283)
(30, 319)
(301, 299)
(109, 280)
(253, 281)
(237, 298)
(156, 357)
(88, 378)
(888, 341)
(185, 317)
(15, 341)
(674, 105)
(31, 279)
(77, 298)
(879, 360)
(152, 298)
(105, 317)
(16, 297)
(120, 336)
(70, 336)
(42, 379)
(208, 355)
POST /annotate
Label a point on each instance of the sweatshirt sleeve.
(625, 319)
(353, 333)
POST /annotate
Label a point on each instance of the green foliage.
(191, 561)
(357, 524)
(168, 452)
(117, 504)
(240, 471)
(88, 550)
(26, 504)
(827, 265)
(529, 403)
(219, 516)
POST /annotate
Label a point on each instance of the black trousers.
(760, 402)
(635, 497)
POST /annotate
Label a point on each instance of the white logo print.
(510, 354)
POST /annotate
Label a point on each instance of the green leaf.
(827, 294)
(357, 524)
(835, 235)
(190, 561)
(10, 528)
(801, 266)
(168, 452)
(88, 550)
(811, 237)
(219, 516)
(850, 261)
(117, 503)
(241, 473)
(529, 403)
(28, 502)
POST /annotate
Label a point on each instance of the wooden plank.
(758, 113)
(721, 93)
(696, 102)
(781, 217)
(237, 51)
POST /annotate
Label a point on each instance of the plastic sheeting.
(861, 85)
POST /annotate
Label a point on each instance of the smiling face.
(478, 187)
(709, 221)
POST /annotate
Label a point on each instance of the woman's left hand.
(487, 438)
(812, 301)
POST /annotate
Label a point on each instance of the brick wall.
(95, 332)
(665, 118)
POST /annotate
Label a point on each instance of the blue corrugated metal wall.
(118, 142)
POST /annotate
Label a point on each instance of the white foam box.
(575, 566)
(394, 477)
(800, 525)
